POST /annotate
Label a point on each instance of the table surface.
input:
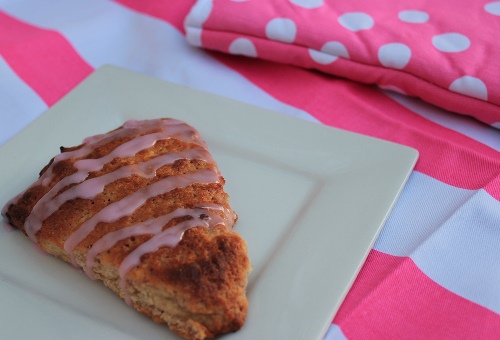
(433, 271)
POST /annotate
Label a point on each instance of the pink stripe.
(392, 299)
(44, 59)
(445, 154)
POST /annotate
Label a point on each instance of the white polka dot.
(281, 29)
(451, 42)
(493, 8)
(244, 47)
(330, 52)
(356, 21)
(394, 55)
(194, 21)
(308, 3)
(413, 16)
(496, 125)
(470, 86)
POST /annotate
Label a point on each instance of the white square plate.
(311, 201)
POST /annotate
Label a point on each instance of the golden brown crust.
(198, 286)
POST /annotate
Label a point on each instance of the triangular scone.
(143, 209)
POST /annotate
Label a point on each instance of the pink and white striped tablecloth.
(434, 271)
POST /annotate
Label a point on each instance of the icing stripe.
(24, 48)
(390, 300)
(150, 227)
(88, 189)
(126, 206)
(168, 238)
(144, 135)
(169, 128)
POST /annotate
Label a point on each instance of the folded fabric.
(445, 52)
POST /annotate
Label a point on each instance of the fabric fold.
(442, 53)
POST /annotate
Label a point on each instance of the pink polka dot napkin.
(445, 52)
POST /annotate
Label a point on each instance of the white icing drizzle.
(90, 188)
(169, 128)
(127, 205)
(202, 215)
(168, 238)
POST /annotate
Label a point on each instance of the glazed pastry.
(143, 209)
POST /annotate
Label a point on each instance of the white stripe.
(470, 127)
(407, 227)
(452, 235)
(19, 105)
(107, 33)
(334, 333)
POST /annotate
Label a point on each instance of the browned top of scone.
(204, 271)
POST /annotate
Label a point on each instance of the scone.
(143, 209)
